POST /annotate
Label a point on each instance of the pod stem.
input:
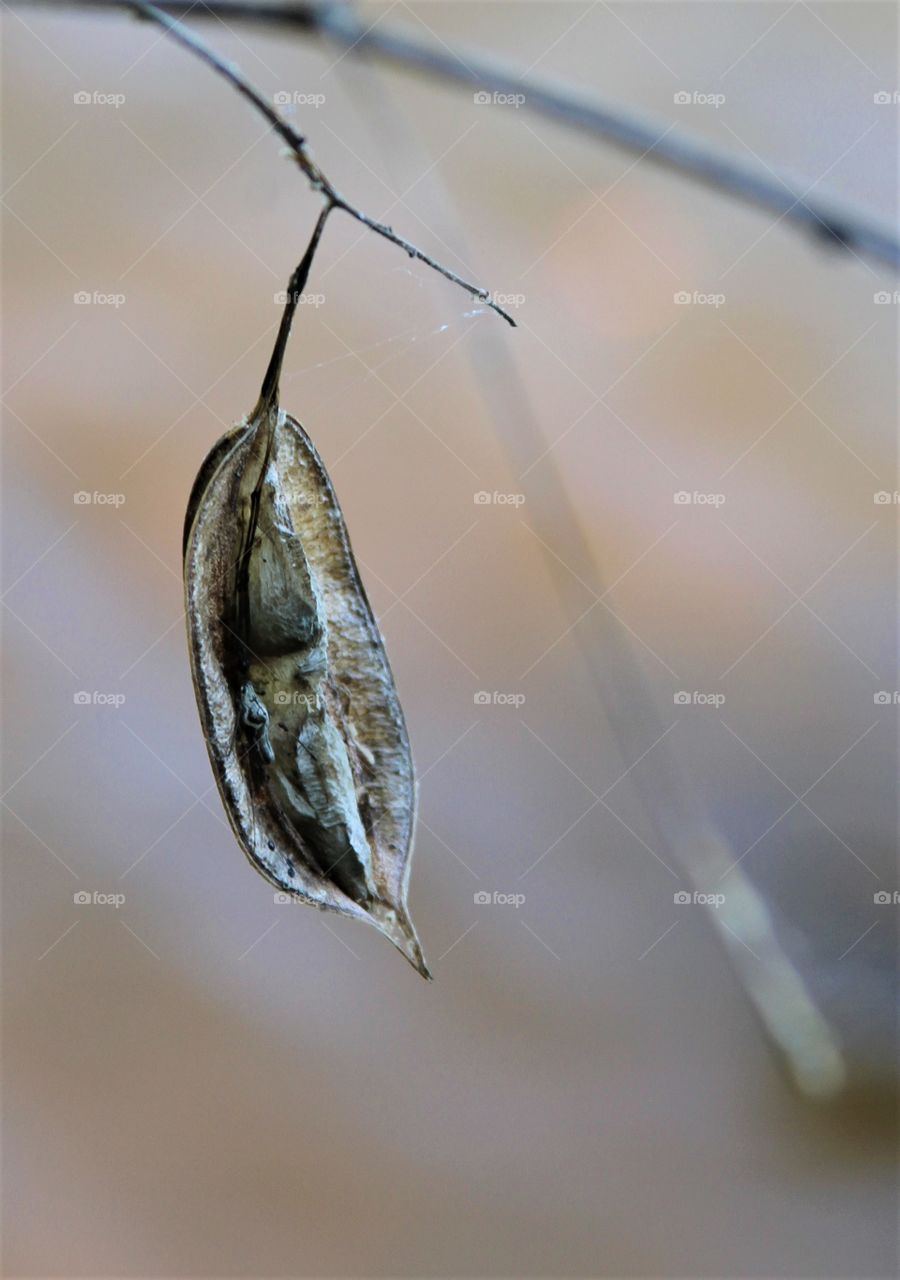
(268, 396)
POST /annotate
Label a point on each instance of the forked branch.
(299, 147)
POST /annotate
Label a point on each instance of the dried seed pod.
(297, 700)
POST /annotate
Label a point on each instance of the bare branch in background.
(791, 1013)
(831, 223)
(298, 146)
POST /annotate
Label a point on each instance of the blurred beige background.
(199, 1082)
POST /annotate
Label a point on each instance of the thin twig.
(268, 396)
(298, 146)
(831, 223)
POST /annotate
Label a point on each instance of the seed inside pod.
(296, 697)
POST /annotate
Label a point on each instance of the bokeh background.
(201, 1082)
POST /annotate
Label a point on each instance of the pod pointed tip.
(419, 963)
(406, 941)
(395, 923)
